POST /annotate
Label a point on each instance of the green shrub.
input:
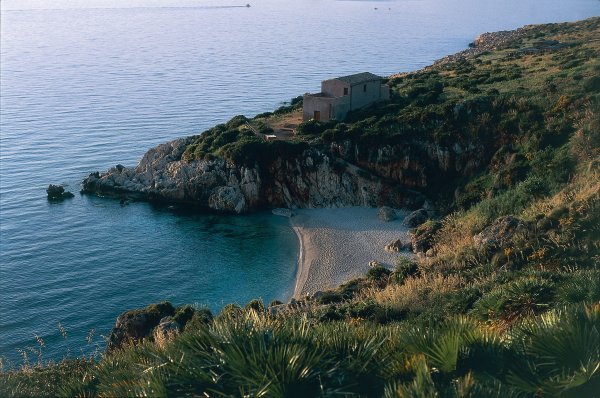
(349, 289)
(517, 299)
(256, 305)
(236, 122)
(295, 103)
(331, 296)
(313, 127)
(405, 268)
(378, 273)
(183, 314)
(202, 318)
(592, 84)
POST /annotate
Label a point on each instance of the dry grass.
(286, 121)
(163, 339)
(453, 243)
(416, 293)
(582, 192)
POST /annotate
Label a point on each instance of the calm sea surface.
(89, 84)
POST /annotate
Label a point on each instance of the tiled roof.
(359, 78)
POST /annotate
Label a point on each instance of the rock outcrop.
(309, 180)
(416, 218)
(166, 329)
(414, 164)
(132, 326)
(396, 246)
(422, 238)
(500, 232)
(57, 192)
(157, 322)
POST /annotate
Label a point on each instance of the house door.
(317, 116)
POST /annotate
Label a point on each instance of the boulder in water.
(57, 192)
(283, 212)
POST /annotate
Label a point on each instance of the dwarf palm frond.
(459, 344)
(360, 355)
(516, 300)
(261, 356)
(582, 285)
(561, 351)
(422, 385)
(471, 386)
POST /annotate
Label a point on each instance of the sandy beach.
(337, 245)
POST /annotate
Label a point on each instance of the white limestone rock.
(228, 199)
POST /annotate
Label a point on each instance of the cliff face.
(315, 178)
(416, 165)
(344, 174)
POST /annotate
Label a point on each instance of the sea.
(88, 84)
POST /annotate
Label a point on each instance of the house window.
(365, 88)
(345, 90)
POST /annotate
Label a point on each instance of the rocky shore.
(488, 41)
(491, 41)
(311, 180)
(339, 175)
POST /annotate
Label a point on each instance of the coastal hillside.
(498, 149)
(441, 134)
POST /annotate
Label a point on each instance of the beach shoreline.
(337, 244)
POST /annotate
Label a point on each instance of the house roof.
(359, 78)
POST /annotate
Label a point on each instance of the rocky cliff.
(416, 164)
(337, 174)
(315, 178)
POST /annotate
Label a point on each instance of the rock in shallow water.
(57, 192)
(283, 212)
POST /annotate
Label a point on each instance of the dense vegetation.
(249, 353)
(504, 298)
(240, 141)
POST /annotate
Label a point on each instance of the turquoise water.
(85, 85)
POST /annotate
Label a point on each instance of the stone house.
(343, 94)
